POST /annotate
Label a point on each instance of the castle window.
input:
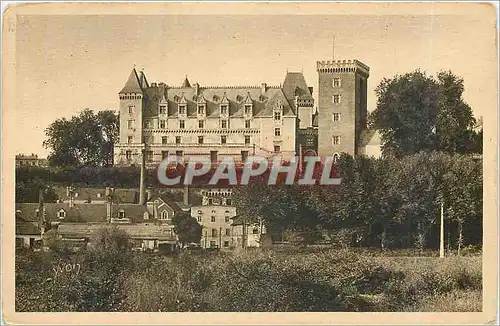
(212, 218)
(226, 243)
(277, 131)
(223, 124)
(336, 116)
(214, 234)
(277, 149)
(277, 115)
(201, 124)
(163, 124)
(336, 82)
(130, 109)
(128, 155)
(336, 98)
(255, 231)
(247, 140)
(164, 140)
(99, 195)
(121, 214)
(209, 201)
(164, 154)
(177, 139)
(61, 214)
(247, 124)
(223, 139)
(248, 108)
(130, 124)
(130, 139)
(226, 219)
(179, 153)
(228, 202)
(201, 109)
(149, 156)
(336, 140)
(223, 109)
(200, 139)
(182, 124)
(163, 109)
(182, 109)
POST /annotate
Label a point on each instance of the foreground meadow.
(261, 280)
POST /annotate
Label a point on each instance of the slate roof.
(143, 231)
(26, 228)
(315, 119)
(133, 84)
(295, 85)
(122, 195)
(77, 213)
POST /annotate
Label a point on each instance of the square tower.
(342, 105)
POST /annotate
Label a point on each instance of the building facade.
(30, 160)
(157, 120)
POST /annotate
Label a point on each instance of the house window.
(214, 232)
(336, 140)
(201, 124)
(336, 116)
(164, 154)
(61, 214)
(277, 131)
(210, 201)
(336, 82)
(226, 219)
(130, 124)
(248, 108)
(228, 201)
(179, 153)
(223, 124)
(164, 215)
(200, 139)
(277, 116)
(182, 124)
(177, 139)
(164, 140)
(213, 244)
(99, 195)
(226, 243)
(121, 214)
(130, 139)
(255, 231)
(149, 156)
(199, 218)
(223, 139)
(277, 149)
(212, 219)
(163, 109)
(336, 98)
(162, 124)
(228, 231)
(223, 109)
(182, 109)
(247, 124)
(130, 109)
(128, 155)
(247, 140)
(201, 109)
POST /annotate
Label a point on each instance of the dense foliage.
(278, 280)
(86, 139)
(187, 228)
(418, 112)
(381, 202)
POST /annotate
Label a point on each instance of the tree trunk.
(460, 236)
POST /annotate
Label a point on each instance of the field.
(286, 279)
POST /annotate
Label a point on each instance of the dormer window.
(164, 215)
(199, 211)
(121, 214)
(99, 195)
(61, 214)
(163, 109)
(248, 109)
(201, 109)
(277, 115)
(224, 108)
(182, 109)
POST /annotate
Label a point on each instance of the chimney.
(197, 89)
(153, 84)
(141, 183)
(263, 88)
(41, 211)
(186, 195)
(310, 90)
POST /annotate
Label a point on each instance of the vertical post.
(220, 237)
(441, 232)
(41, 217)
(141, 185)
(206, 236)
(244, 242)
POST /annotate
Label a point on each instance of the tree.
(84, 140)
(187, 228)
(418, 112)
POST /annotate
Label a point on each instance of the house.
(83, 195)
(247, 233)
(28, 233)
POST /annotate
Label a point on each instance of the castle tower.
(131, 105)
(342, 107)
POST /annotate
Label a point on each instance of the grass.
(271, 280)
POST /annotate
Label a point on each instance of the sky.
(66, 63)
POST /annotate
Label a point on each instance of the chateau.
(217, 121)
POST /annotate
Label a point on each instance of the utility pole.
(441, 231)
(41, 217)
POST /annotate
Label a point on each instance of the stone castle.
(157, 120)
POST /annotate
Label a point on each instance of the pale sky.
(67, 63)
